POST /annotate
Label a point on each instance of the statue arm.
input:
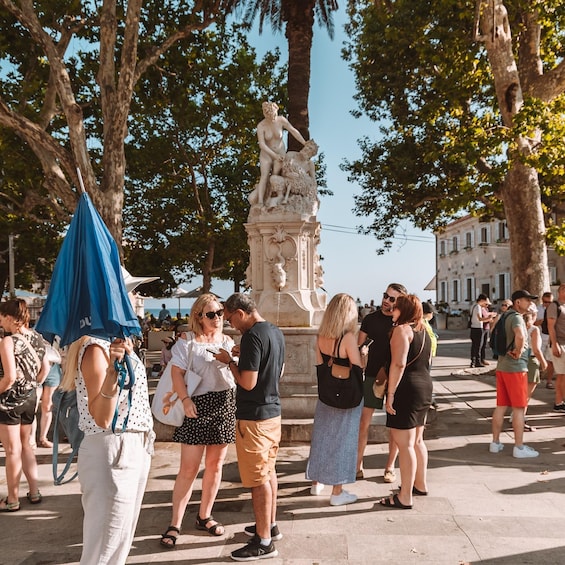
(292, 130)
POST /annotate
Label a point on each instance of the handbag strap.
(421, 348)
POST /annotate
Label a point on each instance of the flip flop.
(394, 502)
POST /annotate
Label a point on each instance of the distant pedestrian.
(512, 377)
(556, 329)
(478, 333)
(536, 360)
(258, 418)
(541, 322)
(164, 313)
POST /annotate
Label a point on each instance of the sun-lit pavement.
(481, 508)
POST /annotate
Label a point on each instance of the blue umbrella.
(87, 295)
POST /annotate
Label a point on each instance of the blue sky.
(350, 261)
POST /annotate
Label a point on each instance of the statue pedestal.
(284, 271)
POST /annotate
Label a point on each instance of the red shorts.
(512, 389)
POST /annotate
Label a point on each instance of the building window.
(442, 248)
(469, 240)
(469, 294)
(484, 236)
(502, 232)
(553, 275)
(455, 244)
(503, 286)
(455, 293)
(443, 291)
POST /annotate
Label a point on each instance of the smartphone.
(212, 351)
(367, 342)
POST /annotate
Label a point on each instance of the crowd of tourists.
(229, 393)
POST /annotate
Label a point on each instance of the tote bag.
(166, 406)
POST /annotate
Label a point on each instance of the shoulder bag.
(18, 393)
(381, 381)
(339, 391)
(166, 406)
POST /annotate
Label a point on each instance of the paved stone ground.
(482, 508)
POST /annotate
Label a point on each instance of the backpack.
(497, 339)
(66, 414)
(544, 329)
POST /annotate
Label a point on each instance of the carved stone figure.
(270, 137)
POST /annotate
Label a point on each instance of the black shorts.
(23, 414)
(369, 399)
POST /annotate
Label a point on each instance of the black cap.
(522, 294)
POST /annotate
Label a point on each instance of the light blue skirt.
(333, 449)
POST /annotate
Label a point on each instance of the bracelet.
(231, 361)
(108, 396)
(185, 398)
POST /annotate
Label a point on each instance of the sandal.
(166, 536)
(34, 498)
(213, 529)
(45, 443)
(6, 506)
(394, 502)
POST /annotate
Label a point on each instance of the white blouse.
(193, 356)
(140, 418)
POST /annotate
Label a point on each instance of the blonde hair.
(340, 317)
(195, 320)
(70, 364)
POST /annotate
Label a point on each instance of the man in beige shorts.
(258, 418)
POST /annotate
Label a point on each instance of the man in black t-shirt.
(258, 414)
(376, 326)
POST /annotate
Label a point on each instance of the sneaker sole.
(256, 557)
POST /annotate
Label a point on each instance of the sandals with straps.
(173, 539)
(6, 506)
(34, 498)
(213, 529)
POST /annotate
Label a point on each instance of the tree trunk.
(520, 190)
(208, 266)
(299, 33)
(526, 227)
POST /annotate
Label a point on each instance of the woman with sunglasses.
(209, 423)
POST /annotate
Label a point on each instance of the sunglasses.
(212, 315)
(391, 299)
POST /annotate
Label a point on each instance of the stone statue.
(270, 137)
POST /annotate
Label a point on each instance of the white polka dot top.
(140, 418)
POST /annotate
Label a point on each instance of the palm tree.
(298, 15)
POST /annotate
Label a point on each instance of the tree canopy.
(470, 98)
(192, 158)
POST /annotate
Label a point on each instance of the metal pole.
(11, 265)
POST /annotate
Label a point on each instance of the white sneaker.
(316, 490)
(342, 498)
(524, 452)
(496, 447)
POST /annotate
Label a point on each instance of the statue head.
(270, 110)
(310, 148)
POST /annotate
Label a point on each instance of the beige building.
(473, 257)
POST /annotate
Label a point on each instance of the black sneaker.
(254, 550)
(559, 407)
(275, 532)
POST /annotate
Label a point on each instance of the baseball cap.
(516, 295)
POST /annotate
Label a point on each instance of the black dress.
(413, 397)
